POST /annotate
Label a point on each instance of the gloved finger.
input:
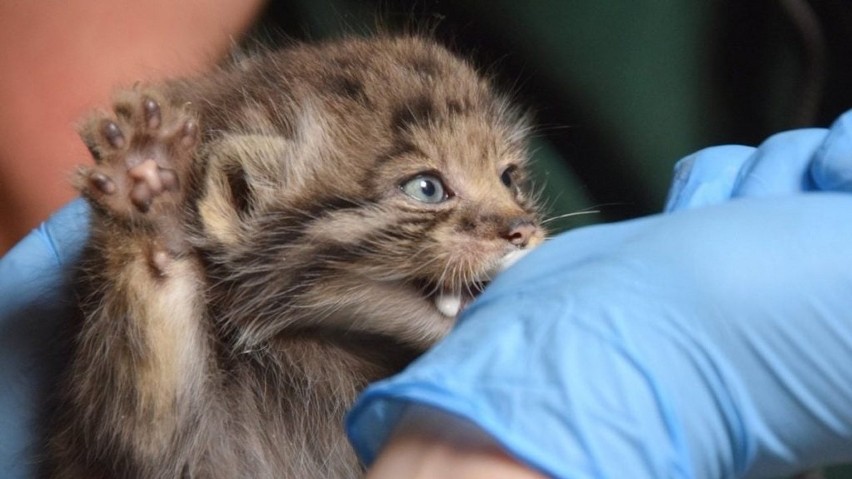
(831, 169)
(706, 177)
(781, 165)
(67, 230)
(39, 257)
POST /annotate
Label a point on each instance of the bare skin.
(61, 59)
(430, 445)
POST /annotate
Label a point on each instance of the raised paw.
(143, 153)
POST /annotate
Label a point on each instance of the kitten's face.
(386, 214)
(461, 207)
(422, 229)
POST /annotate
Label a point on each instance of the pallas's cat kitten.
(269, 238)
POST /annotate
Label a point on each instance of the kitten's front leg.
(141, 359)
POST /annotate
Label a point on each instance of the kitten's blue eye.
(425, 188)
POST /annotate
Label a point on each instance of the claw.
(152, 113)
(113, 134)
(102, 183)
(190, 133)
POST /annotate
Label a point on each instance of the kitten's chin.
(451, 303)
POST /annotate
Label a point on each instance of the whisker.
(568, 215)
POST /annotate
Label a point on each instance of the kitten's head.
(388, 207)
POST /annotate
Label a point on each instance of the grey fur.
(254, 262)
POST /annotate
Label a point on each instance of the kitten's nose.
(519, 232)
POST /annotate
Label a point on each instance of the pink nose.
(519, 232)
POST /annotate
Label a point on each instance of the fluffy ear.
(243, 172)
(248, 172)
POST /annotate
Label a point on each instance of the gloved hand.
(705, 343)
(35, 301)
(787, 163)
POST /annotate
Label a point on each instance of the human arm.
(430, 443)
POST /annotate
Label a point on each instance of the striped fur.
(228, 327)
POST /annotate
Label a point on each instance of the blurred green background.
(622, 89)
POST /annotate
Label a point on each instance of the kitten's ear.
(243, 174)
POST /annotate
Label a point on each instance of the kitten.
(269, 238)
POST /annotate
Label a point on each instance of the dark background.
(622, 89)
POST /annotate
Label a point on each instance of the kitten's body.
(265, 243)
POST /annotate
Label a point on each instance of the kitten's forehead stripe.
(349, 87)
(401, 147)
(416, 112)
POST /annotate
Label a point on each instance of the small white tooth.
(505, 263)
(512, 258)
(448, 304)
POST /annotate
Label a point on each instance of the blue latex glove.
(711, 342)
(790, 162)
(34, 302)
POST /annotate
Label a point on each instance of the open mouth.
(451, 302)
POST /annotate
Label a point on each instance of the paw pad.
(142, 150)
